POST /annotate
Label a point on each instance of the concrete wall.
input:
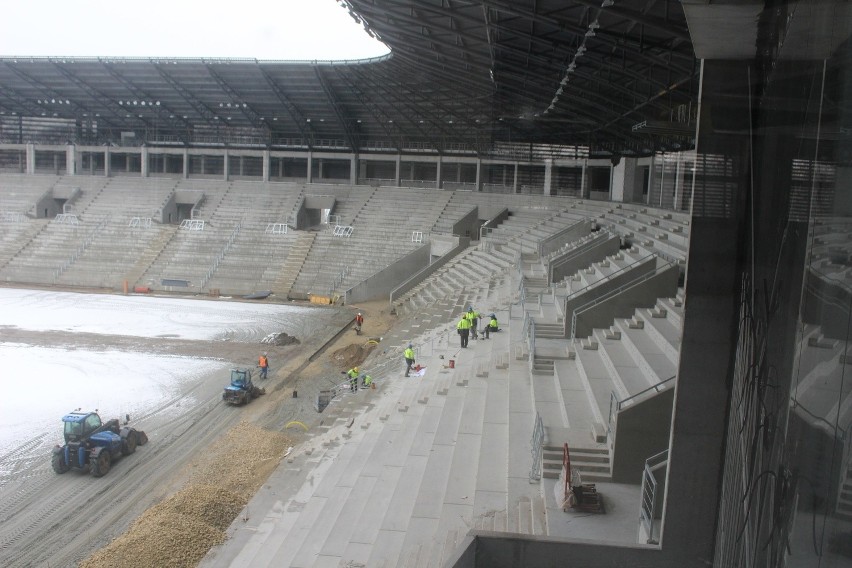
(642, 431)
(576, 231)
(494, 217)
(623, 304)
(495, 550)
(442, 244)
(600, 289)
(567, 265)
(381, 283)
(46, 206)
(468, 226)
(461, 244)
(169, 212)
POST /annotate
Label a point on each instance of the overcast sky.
(256, 29)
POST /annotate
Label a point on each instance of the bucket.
(452, 363)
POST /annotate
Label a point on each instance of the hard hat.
(493, 316)
(355, 369)
(359, 313)
(264, 353)
(410, 345)
(470, 308)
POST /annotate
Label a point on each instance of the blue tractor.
(93, 445)
(241, 390)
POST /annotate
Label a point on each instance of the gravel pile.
(179, 531)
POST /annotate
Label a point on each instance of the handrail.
(615, 405)
(531, 343)
(622, 270)
(599, 240)
(614, 292)
(648, 506)
(537, 449)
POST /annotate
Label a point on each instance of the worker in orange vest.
(263, 363)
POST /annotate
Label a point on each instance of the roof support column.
(310, 175)
(30, 158)
(107, 165)
(515, 180)
(583, 192)
(678, 182)
(478, 174)
(226, 167)
(70, 159)
(143, 161)
(185, 163)
(353, 169)
(548, 176)
(618, 181)
(266, 165)
(396, 176)
(439, 182)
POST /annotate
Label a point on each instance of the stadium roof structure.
(616, 76)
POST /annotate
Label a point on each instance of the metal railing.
(612, 293)
(537, 448)
(531, 343)
(192, 225)
(615, 405)
(218, 260)
(80, 250)
(143, 222)
(276, 229)
(648, 508)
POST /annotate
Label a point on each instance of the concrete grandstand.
(667, 386)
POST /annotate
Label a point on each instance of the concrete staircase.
(152, 252)
(293, 265)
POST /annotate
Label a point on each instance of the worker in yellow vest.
(463, 328)
(409, 358)
(473, 316)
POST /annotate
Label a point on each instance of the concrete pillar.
(548, 176)
(515, 180)
(30, 158)
(479, 174)
(320, 173)
(107, 164)
(583, 192)
(281, 167)
(617, 176)
(143, 161)
(185, 163)
(92, 163)
(397, 174)
(633, 181)
(353, 169)
(438, 179)
(241, 166)
(126, 163)
(265, 166)
(70, 159)
(310, 176)
(678, 182)
(226, 173)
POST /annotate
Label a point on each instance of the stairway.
(592, 463)
(293, 265)
(147, 258)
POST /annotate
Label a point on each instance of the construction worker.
(409, 358)
(473, 316)
(353, 378)
(366, 380)
(263, 363)
(492, 326)
(359, 321)
(463, 328)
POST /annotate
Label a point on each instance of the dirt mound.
(351, 355)
(181, 529)
(280, 339)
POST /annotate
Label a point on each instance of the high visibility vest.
(493, 323)
(472, 315)
(409, 353)
(352, 374)
(464, 323)
(262, 361)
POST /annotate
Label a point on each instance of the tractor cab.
(79, 425)
(241, 378)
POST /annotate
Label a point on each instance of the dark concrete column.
(70, 159)
(353, 169)
(310, 176)
(478, 174)
(438, 174)
(226, 169)
(265, 165)
(515, 179)
(107, 164)
(397, 178)
(548, 176)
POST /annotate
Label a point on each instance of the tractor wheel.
(101, 462)
(141, 438)
(58, 462)
(128, 442)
